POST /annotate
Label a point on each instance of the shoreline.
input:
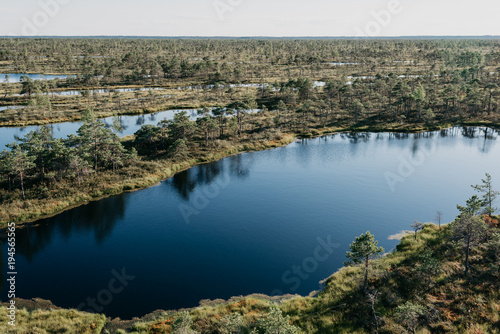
(103, 115)
(157, 179)
(287, 139)
(36, 303)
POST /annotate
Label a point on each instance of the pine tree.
(362, 250)
(275, 323)
(38, 144)
(19, 162)
(489, 195)
(98, 143)
(470, 230)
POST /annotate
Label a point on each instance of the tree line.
(159, 61)
(39, 155)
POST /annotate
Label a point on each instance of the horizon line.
(255, 37)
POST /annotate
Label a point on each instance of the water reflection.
(239, 167)
(398, 136)
(469, 132)
(488, 133)
(488, 140)
(140, 120)
(98, 217)
(356, 137)
(233, 167)
(101, 217)
(16, 77)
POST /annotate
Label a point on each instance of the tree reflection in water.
(99, 216)
(186, 182)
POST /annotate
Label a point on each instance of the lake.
(276, 221)
(99, 91)
(10, 107)
(130, 125)
(16, 77)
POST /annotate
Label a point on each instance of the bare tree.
(470, 230)
(439, 216)
(417, 226)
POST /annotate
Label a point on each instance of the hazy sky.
(250, 17)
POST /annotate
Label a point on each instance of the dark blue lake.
(276, 221)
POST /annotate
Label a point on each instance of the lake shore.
(163, 172)
(32, 210)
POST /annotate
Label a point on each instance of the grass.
(52, 321)
(70, 108)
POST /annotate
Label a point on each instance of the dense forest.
(440, 279)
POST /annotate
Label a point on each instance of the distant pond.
(16, 77)
(130, 125)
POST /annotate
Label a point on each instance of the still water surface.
(130, 125)
(241, 225)
(16, 77)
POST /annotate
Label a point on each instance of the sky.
(367, 18)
